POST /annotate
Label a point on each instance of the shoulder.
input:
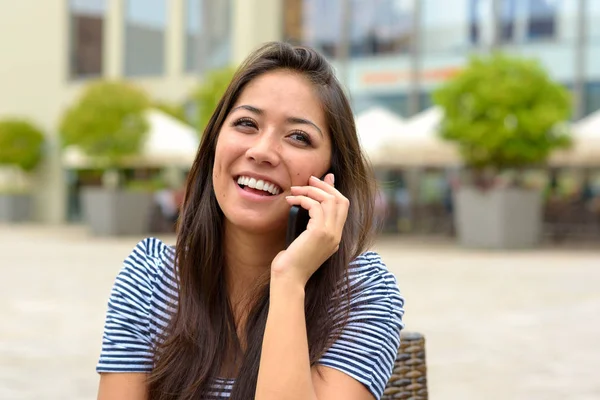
(369, 341)
(147, 280)
(134, 307)
(149, 261)
(370, 279)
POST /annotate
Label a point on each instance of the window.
(508, 16)
(322, 25)
(145, 37)
(481, 17)
(541, 22)
(381, 27)
(374, 26)
(86, 33)
(192, 31)
(445, 25)
(593, 15)
(592, 98)
(218, 42)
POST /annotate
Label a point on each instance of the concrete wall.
(255, 22)
(33, 76)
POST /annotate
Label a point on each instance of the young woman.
(230, 312)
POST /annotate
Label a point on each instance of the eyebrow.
(291, 120)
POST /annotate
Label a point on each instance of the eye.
(245, 122)
(302, 137)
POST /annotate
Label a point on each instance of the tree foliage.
(209, 93)
(175, 110)
(21, 144)
(107, 122)
(504, 112)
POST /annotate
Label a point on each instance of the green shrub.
(107, 122)
(504, 113)
(174, 110)
(21, 144)
(209, 93)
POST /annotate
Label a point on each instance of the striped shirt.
(145, 291)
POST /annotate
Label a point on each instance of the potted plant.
(505, 114)
(21, 150)
(107, 124)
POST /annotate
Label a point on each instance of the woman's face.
(274, 137)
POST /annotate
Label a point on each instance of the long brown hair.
(201, 333)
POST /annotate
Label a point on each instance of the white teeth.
(259, 184)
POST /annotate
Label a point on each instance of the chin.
(257, 224)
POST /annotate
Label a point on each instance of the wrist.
(286, 282)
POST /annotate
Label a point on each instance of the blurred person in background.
(230, 312)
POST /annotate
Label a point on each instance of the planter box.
(506, 218)
(116, 212)
(15, 207)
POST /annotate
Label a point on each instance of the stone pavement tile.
(519, 325)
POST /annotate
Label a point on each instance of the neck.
(248, 257)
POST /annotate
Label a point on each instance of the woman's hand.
(328, 210)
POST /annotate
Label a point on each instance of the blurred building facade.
(392, 53)
(52, 48)
(395, 52)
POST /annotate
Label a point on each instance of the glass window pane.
(447, 27)
(508, 17)
(541, 19)
(322, 25)
(145, 37)
(192, 30)
(86, 41)
(593, 15)
(218, 41)
(592, 101)
(381, 27)
(374, 26)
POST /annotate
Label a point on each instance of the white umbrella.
(169, 142)
(420, 145)
(585, 150)
(376, 127)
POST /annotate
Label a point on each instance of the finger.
(315, 211)
(313, 192)
(326, 184)
(330, 178)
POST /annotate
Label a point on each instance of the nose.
(264, 149)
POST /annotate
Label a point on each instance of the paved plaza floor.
(517, 325)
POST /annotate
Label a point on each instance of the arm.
(126, 356)
(285, 371)
(123, 387)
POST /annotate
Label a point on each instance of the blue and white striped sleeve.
(126, 342)
(369, 343)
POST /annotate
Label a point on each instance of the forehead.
(284, 93)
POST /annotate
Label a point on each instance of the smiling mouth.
(260, 187)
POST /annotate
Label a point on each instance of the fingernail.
(288, 197)
(332, 179)
(314, 177)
